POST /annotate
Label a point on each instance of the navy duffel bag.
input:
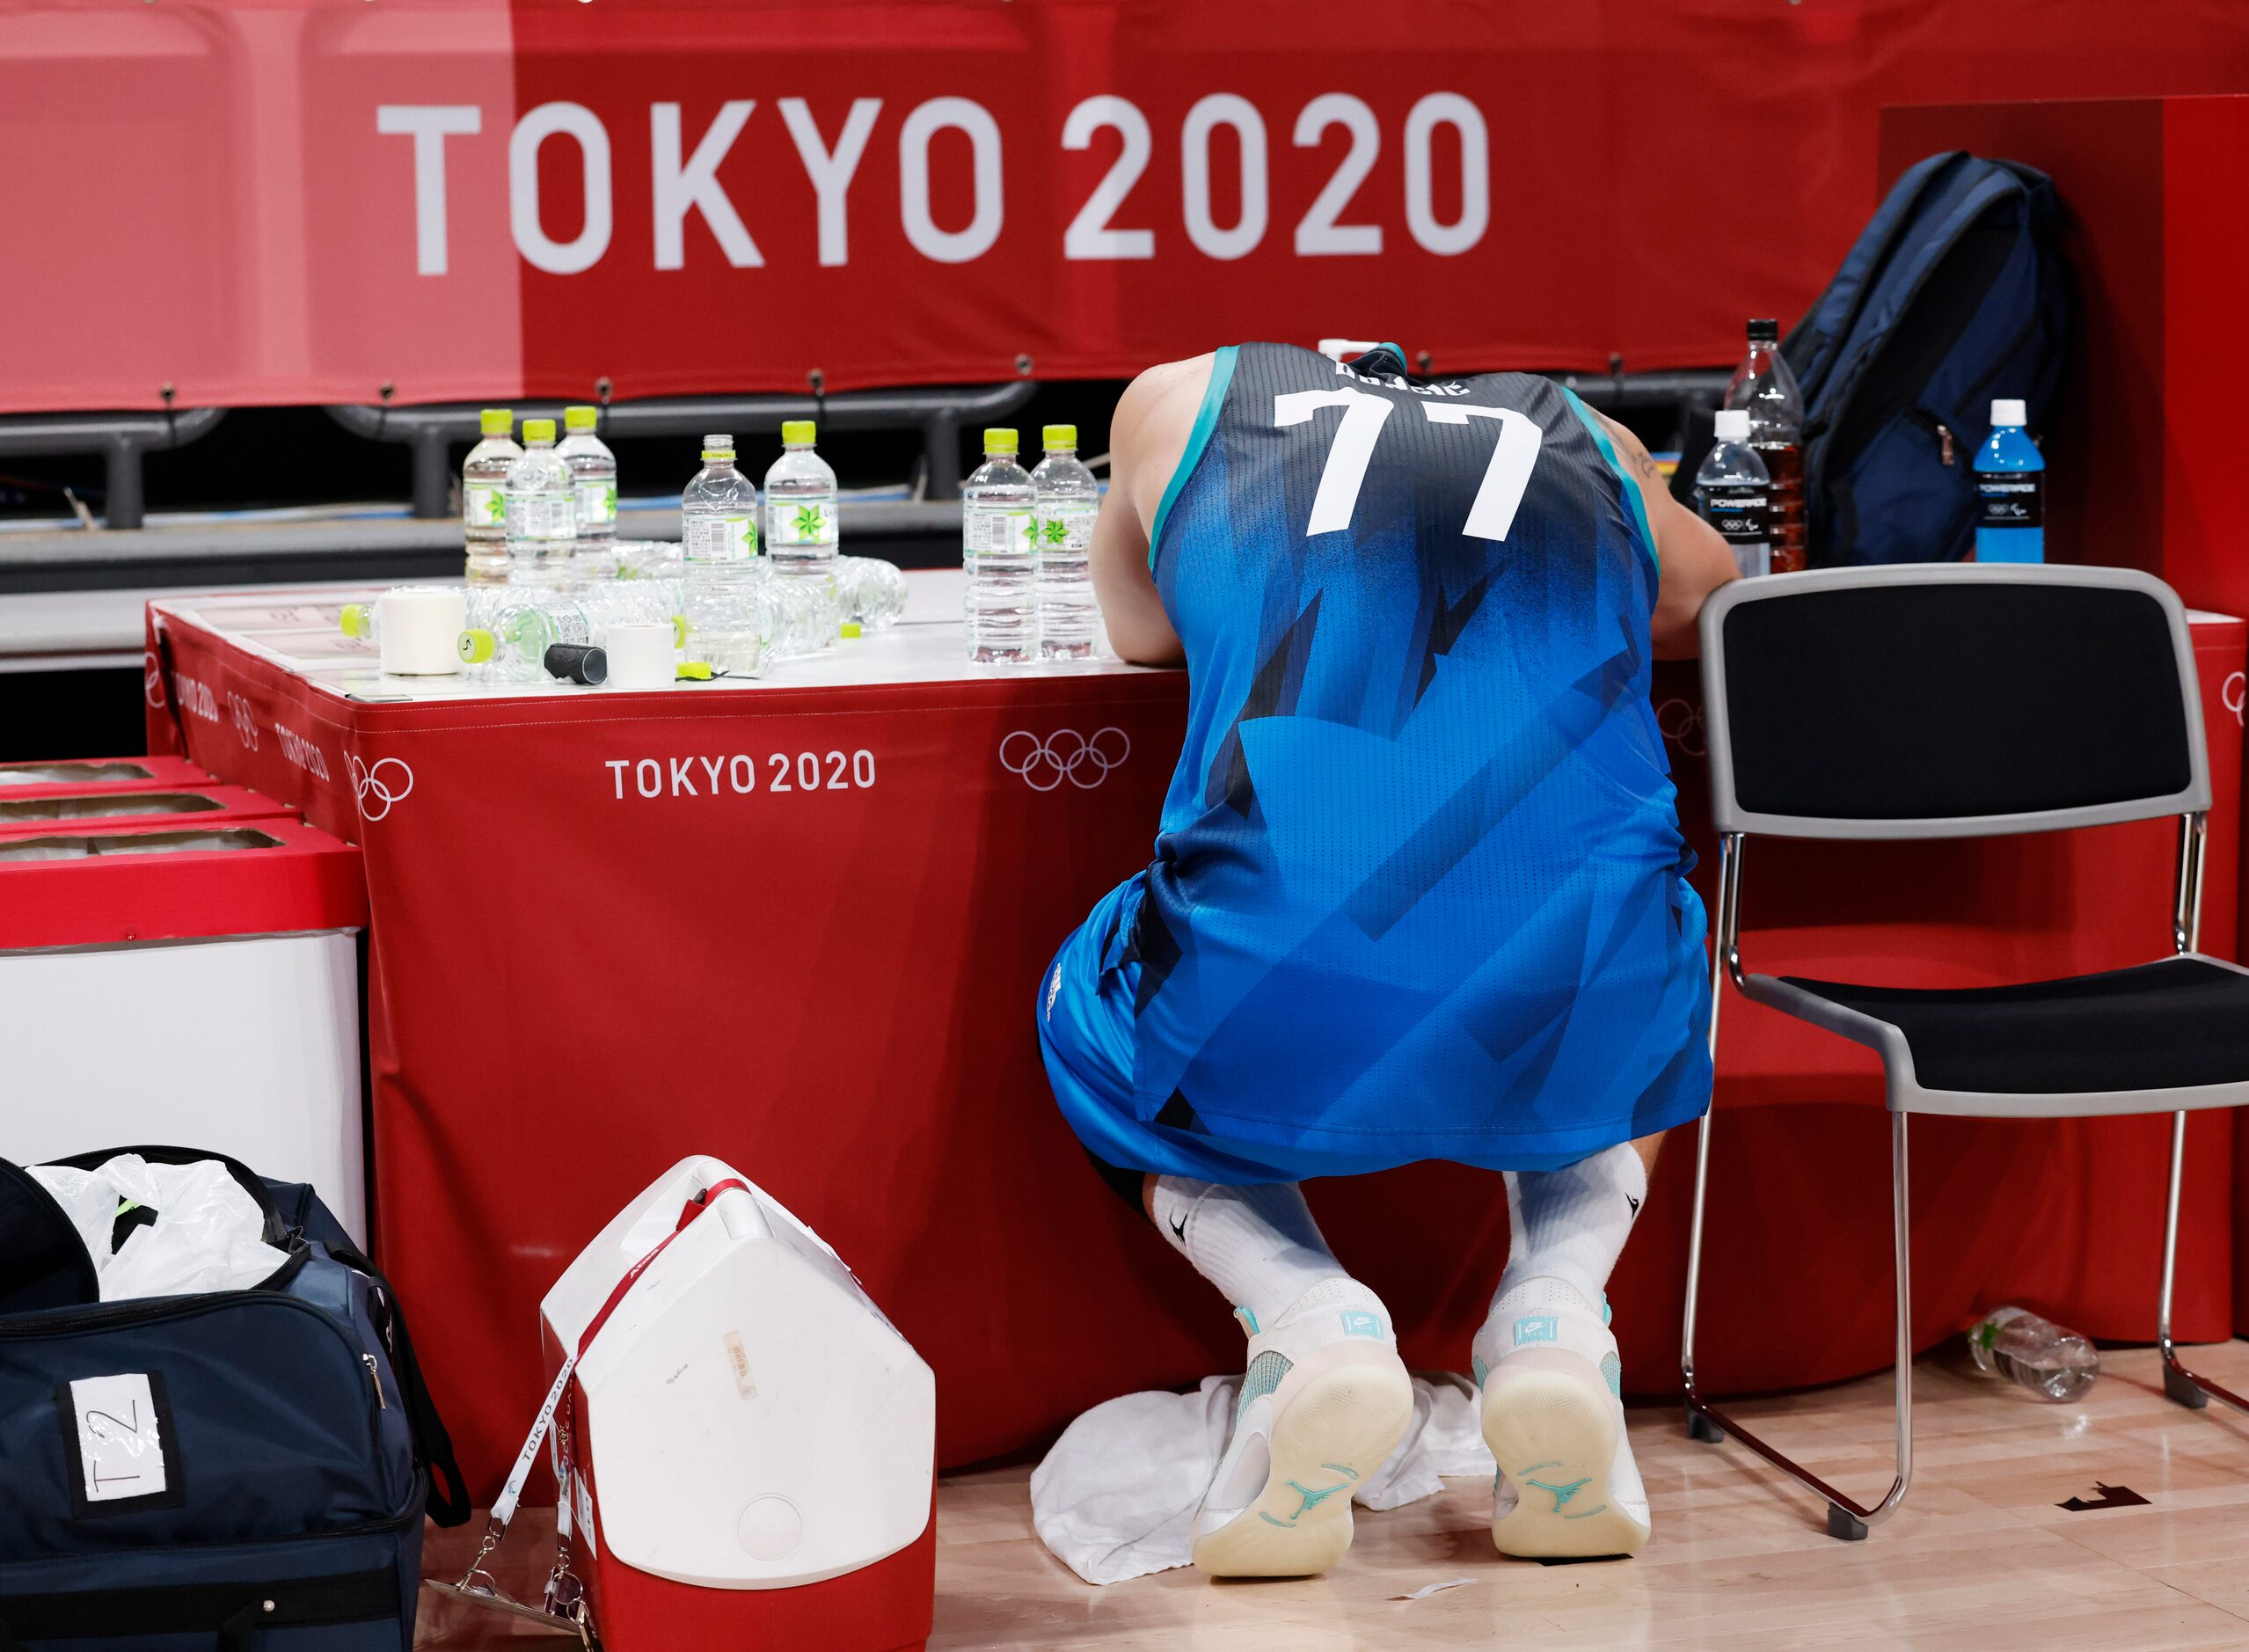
(232, 1471)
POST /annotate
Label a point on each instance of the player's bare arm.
(1693, 560)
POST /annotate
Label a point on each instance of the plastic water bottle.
(720, 567)
(1735, 494)
(1765, 387)
(542, 512)
(1068, 497)
(593, 480)
(2010, 491)
(870, 593)
(508, 641)
(998, 530)
(483, 496)
(2050, 1361)
(800, 517)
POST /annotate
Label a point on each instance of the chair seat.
(2172, 1025)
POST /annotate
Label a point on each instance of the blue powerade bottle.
(2010, 491)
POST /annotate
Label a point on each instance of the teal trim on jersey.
(1632, 483)
(1205, 420)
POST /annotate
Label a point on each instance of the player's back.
(1420, 869)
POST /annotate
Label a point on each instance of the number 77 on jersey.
(1513, 456)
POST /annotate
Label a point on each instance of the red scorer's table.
(801, 924)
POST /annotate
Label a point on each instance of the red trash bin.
(61, 776)
(196, 986)
(122, 809)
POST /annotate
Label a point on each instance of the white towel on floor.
(1116, 1497)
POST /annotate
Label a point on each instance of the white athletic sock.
(1572, 1224)
(1258, 1245)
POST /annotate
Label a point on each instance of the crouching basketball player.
(1419, 892)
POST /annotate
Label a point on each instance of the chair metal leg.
(2179, 1383)
(1846, 1520)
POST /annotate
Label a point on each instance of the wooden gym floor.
(1979, 1555)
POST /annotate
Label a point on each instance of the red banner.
(314, 199)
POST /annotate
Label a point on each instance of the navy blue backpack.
(1955, 292)
(282, 1435)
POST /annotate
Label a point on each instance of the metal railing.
(433, 431)
(120, 438)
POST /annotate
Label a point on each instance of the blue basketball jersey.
(1420, 889)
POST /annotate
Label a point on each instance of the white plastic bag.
(208, 1233)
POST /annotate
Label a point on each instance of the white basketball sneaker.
(1567, 1486)
(1326, 1402)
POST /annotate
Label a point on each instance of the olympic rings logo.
(2233, 692)
(1681, 723)
(1064, 754)
(245, 720)
(373, 783)
(152, 680)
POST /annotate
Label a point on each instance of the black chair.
(1962, 701)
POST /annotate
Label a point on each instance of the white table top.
(301, 630)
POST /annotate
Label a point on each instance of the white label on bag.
(121, 1448)
(586, 1515)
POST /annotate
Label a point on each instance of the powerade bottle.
(1764, 387)
(483, 496)
(1735, 493)
(2010, 491)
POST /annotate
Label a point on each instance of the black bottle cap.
(579, 661)
(1764, 330)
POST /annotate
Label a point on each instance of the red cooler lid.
(73, 886)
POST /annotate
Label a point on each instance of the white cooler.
(752, 1444)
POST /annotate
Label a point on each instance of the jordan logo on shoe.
(1562, 1493)
(1313, 1499)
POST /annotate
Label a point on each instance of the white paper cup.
(419, 628)
(641, 654)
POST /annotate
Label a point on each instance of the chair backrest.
(1949, 700)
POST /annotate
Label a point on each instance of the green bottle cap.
(1062, 438)
(581, 418)
(850, 630)
(536, 430)
(717, 448)
(476, 646)
(1000, 442)
(693, 671)
(358, 619)
(495, 421)
(796, 433)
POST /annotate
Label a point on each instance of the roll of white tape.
(419, 629)
(641, 654)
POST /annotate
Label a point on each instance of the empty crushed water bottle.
(870, 593)
(999, 533)
(1068, 497)
(483, 496)
(542, 512)
(2051, 1361)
